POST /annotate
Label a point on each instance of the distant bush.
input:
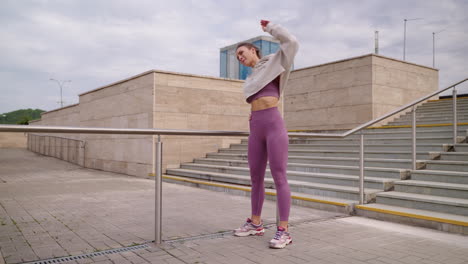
(22, 116)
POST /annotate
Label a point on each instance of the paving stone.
(111, 210)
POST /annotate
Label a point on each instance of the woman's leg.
(257, 157)
(277, 146)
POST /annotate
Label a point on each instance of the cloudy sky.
(97, 42)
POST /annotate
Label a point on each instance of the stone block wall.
(124, 104)
(344, 94)
(192, 102)
(154, 99)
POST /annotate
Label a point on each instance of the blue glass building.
(230, 66)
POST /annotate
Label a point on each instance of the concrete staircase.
(436, 195)
(323, 173)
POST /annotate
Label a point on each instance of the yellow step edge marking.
(249, 190)
(430, 218)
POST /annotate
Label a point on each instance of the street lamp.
(404, 38)
(433, 46)
(60, 83)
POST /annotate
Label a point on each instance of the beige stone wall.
(196, 102)
(125, 104)
(331, 96)
(182, 101)
(396, 83)
(66, 116)
(13, 140)
(348, 93)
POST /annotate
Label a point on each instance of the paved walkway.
(53, 209)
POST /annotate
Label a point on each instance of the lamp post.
(404, 37)
(60, 83)
(433, 47)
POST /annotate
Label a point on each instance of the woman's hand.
(264, 23)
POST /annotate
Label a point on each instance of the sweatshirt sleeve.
(288, 43)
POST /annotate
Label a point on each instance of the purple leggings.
(268, 140)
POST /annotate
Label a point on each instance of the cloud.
(94, 43)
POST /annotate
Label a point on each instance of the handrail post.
(455, 119)
(413, 138)
(158, 191)
(361, 168)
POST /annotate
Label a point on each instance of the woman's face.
(247, 57)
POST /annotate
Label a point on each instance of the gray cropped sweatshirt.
(270, 66)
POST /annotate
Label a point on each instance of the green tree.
(24, 120)
(22, 116)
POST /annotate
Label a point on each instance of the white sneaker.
(249, 229)
(281, 239)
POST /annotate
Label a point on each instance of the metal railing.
(159, 132)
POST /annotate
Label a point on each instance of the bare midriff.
(264, 102)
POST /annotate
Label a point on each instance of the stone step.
(407, 133)
(390, 132)
(441, 221)
(421, 128)
(394, 173)
(334, 153)
(370, 162)
(441, 111)
(396, 123)
(447, 165)
(367, 147)
(457, 156)
(302, 199)
(328, 190)
(298, 160)
(346, 161)
(402, 140)
(429, 119)
(446, 105)
(384, 184)
(440, 176)
(425, 202)
(436, 113)
(453, 190)
(462, 147)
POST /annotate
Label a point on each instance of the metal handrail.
(159, 132)
(181, 132)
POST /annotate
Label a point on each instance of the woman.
(268, 138)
